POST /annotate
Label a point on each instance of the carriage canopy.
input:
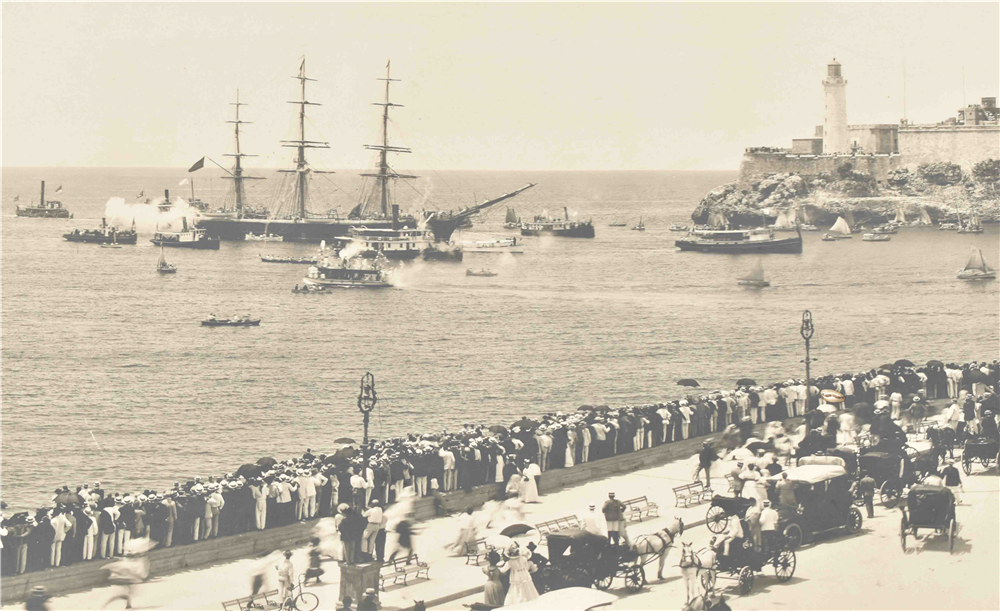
(576, 544)
(929, 504)
(812, 474)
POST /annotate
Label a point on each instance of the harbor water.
(108, 375)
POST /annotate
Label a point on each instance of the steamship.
(544, 225)
(45, 209)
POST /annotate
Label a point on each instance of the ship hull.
(207, 244)
(100, 239)
(291, 231)
(44, 213)
(583, 231)
(331, 283)
(785, 246)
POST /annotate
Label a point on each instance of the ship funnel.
(166, 195)
(566, 212)
(395, 216)
(41, 202)
(184, 222)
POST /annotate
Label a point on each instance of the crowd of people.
(91, 522)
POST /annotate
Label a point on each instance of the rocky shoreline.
(943, 190)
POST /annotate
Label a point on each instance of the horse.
(658, 544)
(710, 601)
(697, 569)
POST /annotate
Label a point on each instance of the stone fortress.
(973, 135)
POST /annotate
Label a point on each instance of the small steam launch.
(187, 237)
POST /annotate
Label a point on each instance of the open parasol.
(934, 363)
(525, 423)
(746, 382)
(975, 376)
(516, 529)
(267, 462)
(496, 428)
(585, 408)
(688, 382)
(904, 363)
(347, 452)
(67, 498)
(248, 471)
(344, 440)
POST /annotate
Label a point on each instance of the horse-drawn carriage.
(931, 507)
(742, 563)
(982, 449)
(891, 471)
(825, 502)
(578, 558)
(724, 507)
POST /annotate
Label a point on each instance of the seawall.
(757, 165)
(85, 575)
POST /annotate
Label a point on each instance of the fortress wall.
(756, 166)
(964, 145)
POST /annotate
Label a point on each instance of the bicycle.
(303, 601)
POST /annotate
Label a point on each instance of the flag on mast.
(182, 183)
(59, 189)
(197, 165)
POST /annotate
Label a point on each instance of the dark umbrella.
(976, 376)
(525, 423)
(585, 408)
(934, 363)
(516, 529)
(745, 382)
(496, 428)
(248, 471)
(904, 363)
(67, 498)
(688, 382)
(887, 366)
(266, 463)
(344, 440)
(757, 446)
(347, 452)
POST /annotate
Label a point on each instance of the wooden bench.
(635, 508)
(690, 494)
(402, 568)
(256, 602)
(476, 550)
(553, 526)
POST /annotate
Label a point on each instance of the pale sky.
(485, 86)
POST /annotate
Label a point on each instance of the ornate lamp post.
(367, 399)
(807, 332)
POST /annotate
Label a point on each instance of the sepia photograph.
(554, 306)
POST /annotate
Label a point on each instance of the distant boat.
(231, 322)
(784, 222)
(618, 224)
(840, 231)
(511, 221)
(50, 209)
(925, 219)
(971, 226)
(545, 225)
(756, 277)
(163, 267)
(267, 237)
(875, 237)
(483, 272)
(677, 227)
(947, 226)
(640, 227)
(900, 216)
(498, 245)
(976, 268)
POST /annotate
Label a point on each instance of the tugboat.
(235, 321)
(511, 221)
(755, 279)
(356, 272)
(45, 209)
(194, 237)
(640, 227)
(740, 241)
(163, 267)
(545, 225)
(483, 272)
(976, 268)
(103, 235)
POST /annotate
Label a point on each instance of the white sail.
(841, 226)
(900, 215)
(511, 216)
(925, 218)
(976, 261)
(756, 273)
(163, 261)
(782, 221)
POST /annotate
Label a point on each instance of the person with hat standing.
(374, 516)
(769, 526)
(368, 603)
(614, 517)
(705, 459)
(590, 523)
(286, 577)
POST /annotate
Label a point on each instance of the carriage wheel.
(746, 580)
(967, 465)
(635, 578)
(853, 520)
(951, 535)
(903, 530)
(716, 519)
(793, 536)
(708, 580)
(889, 494)
(604, 582)
(784, 565)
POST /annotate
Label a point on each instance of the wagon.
(744, 562)
(717, 517)
(983, 449)
(928, 507)
(825, 502)
(578, 558)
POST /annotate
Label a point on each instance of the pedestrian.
(953, 481)
(126, 573)
(590, 521)
(753, 521)
(404, 540)
(286, 575)
(533, 471)
(315, 570)
(368, 603)
(769, 526)
(493, 593)
(737, 480)
(466, 533)
(705, 459)
(374, 516)
(614, 517)
(380, 538)
(522, 588)
(866, 486)
(61, 527)
(786, 492)
(37, 600)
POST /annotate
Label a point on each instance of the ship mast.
(385, 173)
(237, 174)
(301, 167)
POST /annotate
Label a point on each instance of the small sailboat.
(900, 216)
(925, 219)
(511, 221)
(755, 278)
(976, 268)
(163, 267)
(972, 225)
(840, 231)
(640, 227)
(678, 227)
(784, 222)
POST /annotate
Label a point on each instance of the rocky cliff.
(943, 189)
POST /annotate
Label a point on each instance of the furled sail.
(756, 273)
(841, 226)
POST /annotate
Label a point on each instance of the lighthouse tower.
(835, 110)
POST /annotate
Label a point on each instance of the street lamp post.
(807, 332)
(367, 399)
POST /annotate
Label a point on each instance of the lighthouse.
(835, 110)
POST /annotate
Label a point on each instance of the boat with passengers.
(740, 241)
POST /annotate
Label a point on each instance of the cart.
(928, 507)
(717, 516)
(891, 472)
(982, 449)
(744, 562)
(578, 558)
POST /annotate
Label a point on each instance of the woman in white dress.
(529, 489)
(522, 589)
(570, 447)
